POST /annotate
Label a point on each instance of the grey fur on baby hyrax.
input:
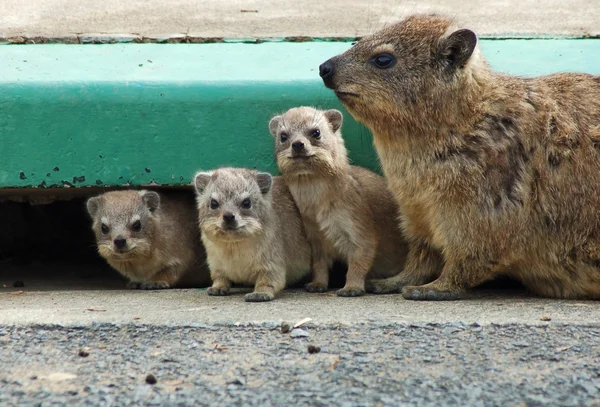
(252, 232)
(150, 238)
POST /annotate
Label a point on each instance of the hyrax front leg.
(423, 264)
(220, 286)
(455, 279)
(166, 278)
(359, 265)
(320, 276)
(268, 285)
(320, 264)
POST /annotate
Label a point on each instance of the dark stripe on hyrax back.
(517, 158)
(553, 159)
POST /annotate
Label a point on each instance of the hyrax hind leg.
(455, 279)
(268, 285)
(422, 265)
(568, 281)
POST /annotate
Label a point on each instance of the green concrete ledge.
(138, 114)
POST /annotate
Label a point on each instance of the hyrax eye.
(246, 204)
(214, 204)
(136, 226)
(316, 133)
(105, 229)
(383, 61)
(283, 137)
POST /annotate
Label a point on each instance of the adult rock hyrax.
(494, 173)
(150, 238)
(252, 232)
(348, 212)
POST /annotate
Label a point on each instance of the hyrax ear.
(335, 118)
(265, 181)
(274, 125)
(93, 204)
(458, 47)
(151, 199)
(201, 181)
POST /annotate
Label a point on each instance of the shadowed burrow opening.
(46, 243)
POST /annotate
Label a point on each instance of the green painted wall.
(98, 115)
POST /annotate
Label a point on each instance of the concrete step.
(138, 114)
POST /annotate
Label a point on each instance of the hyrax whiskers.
(494, 174)
(252, 232)
(348, 212)
(150, 238)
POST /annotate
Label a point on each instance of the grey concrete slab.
(67, 306)
(274, 18)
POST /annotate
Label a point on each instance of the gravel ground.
(358, 365)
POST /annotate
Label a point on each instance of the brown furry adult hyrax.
(150, 238)
(493, 173)
(252, 232)
(348, 212)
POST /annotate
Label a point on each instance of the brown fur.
(266, 246)
(166, 251)
(494, 174)
(348, 212)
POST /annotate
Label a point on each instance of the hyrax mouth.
(341, 94)
(301, 157)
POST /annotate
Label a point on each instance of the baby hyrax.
(252, 232)
(348, 212)
(150, 238)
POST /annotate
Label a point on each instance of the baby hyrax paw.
(351, 292)
(150, 285)
(315, 288)
(217, 291)
(258, 297)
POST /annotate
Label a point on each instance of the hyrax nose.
(120, 242)
(298, 145)
(228, 217)
(326, 70)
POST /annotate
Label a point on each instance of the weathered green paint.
(91, 115)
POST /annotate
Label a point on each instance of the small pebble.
(285, 327)
(150, 379)
(545, 318)
(84, 352)
(313, 349)
(18, 284)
